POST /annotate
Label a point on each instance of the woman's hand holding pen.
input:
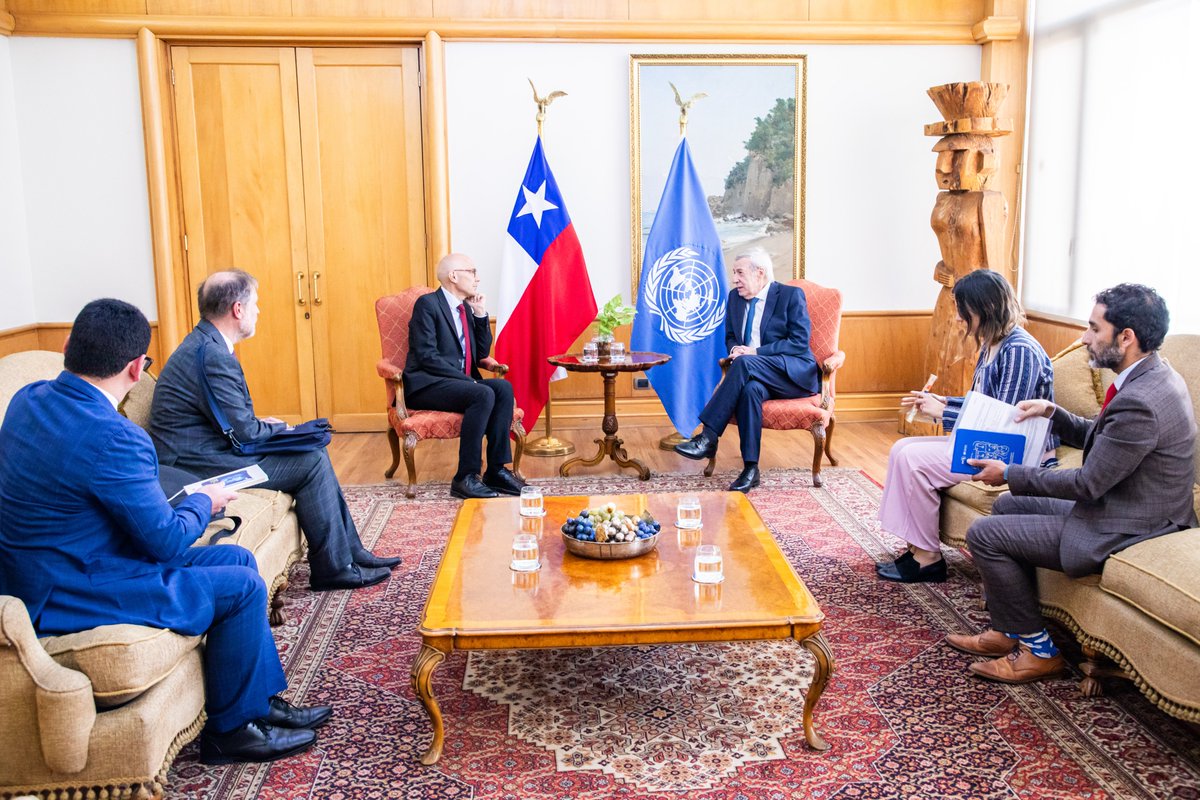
(927, 403)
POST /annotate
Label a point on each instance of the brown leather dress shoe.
(1020, 666)
(989, 643)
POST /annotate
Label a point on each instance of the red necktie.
(1109, 395)
(467, 361)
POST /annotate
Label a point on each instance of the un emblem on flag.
(683, 293)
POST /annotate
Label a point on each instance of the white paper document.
(236, 479)
(986, 430)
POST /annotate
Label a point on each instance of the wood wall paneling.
(537, 9)
(422, 9)
(238, 8)
(968, 11)
(53, 336)
(7, 22)
(77, 6)
(1055, 333)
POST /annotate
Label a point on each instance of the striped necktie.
(466, 330)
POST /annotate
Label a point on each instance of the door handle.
(316, 289)
(300, 289)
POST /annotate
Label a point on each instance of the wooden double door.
(302, 166)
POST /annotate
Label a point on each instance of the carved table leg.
(565, 469)
(622, 458)
(816, 645)
(422, 684)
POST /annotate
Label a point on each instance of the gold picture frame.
(747, 101)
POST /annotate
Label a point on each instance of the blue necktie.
(746, 334)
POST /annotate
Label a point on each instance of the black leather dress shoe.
(285, 715)
(891, 565)
(472, 487)
(365, 558)
(504, 481)
(352, 576)
(909, 570)
(746, 481)
(701, 446)
(254, 741)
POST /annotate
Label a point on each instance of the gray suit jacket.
(181, 424)
(1137, 474)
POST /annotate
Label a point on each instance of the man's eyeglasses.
(147, 362)
(472, 271)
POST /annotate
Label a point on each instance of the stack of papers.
(986, 429)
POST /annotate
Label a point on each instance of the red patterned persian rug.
(702, 722)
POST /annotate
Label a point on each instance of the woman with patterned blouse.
(1012, 366)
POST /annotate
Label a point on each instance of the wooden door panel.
(243, 203)
(364, 196)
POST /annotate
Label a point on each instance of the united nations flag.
(681, 299)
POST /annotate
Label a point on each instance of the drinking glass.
(708, 567)
(531, 502)
(589, 353)
(525, 553)
(616, 351)
(687, 513)
(532, 525)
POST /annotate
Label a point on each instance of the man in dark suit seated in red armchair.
(1135, 483)
(448, 338)
(766, 334)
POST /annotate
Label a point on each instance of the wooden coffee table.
(477, 603)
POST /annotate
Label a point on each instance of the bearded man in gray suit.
(187, 436)
(1135, 483)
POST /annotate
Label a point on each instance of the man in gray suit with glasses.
(1135, 483)
(187, 436)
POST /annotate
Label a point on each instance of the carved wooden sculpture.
(968, 220)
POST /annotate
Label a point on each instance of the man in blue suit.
(87, 538)
(766, 332)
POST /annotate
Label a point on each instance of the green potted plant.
(614, 314)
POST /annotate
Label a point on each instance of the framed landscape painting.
(746, 136)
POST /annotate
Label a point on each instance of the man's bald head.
(452, 262)
(221, 290)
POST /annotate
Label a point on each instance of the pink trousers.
(917, 467)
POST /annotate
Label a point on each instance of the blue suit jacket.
(181, 423)
(784, 332)
(86, 535)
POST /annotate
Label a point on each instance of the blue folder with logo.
(1006, 447)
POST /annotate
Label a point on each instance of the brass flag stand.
(549, 445)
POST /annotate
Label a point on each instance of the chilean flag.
(546, 298)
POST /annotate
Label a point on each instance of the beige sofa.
(106, 710)
(1140, 618)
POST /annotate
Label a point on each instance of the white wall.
(83, 165)
(871, 181)
(16, 300)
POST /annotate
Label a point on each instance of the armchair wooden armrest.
(828, 367)
(394, 377)
(492, 365)
(834, 362)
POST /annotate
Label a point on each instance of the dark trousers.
(487, 409)
(749, 381)
(1021, 534)
(241, 666)
(321, 508)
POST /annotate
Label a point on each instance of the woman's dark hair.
(988, 296)
(1139, 308)
(106, 336)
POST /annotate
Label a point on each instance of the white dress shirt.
(756, 331)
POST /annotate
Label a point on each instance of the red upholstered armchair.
(813, 414)
(394, 313)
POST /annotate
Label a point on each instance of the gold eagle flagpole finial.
(543, 103)
(683, 107)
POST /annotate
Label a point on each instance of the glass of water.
(708, 566)
(617, 352)
(687, 513)
(525, 553)
(589, 353)
(531, 502)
